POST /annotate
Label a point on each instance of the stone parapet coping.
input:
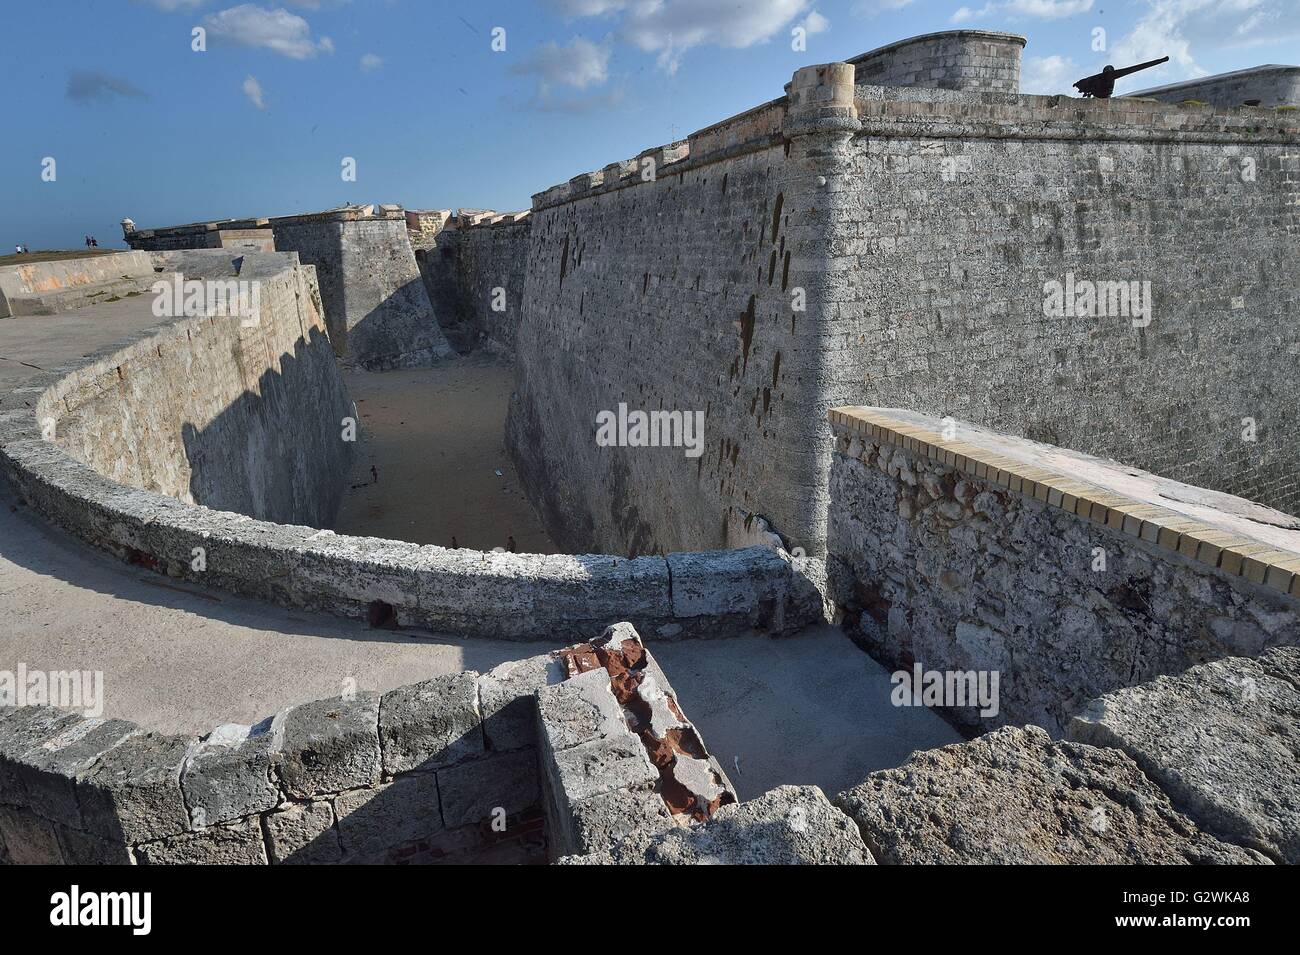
(1233, 553)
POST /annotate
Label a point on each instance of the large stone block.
(751, 583)
(133, 793)
(432, 724)
(303, 834)
(48, 771)
(1014, 796)
(1222, 739)
(506, 700)
(327, 746)
(580, 710)
(237, 844)
(472, 791)
(228, 775)
(373, 822)
(789, 825)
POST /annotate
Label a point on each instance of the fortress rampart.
(375, 302)
(978, 60)
(899, 246)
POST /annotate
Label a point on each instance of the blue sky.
(141, 125)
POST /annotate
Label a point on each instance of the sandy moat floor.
(436, 439)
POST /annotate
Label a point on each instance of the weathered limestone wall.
(665, 284)
(463, 267)
(378, 311)
(412, 775)
(951, 60)
(1068, 576)
(239, 415)
(46, 288)
(964, 207)
(1271, 85)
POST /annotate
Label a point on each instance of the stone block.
(49, 770)
(601, 766)
(22, 728)
(789, 825)
(327, 746)
(431, 724)
(1222, 739)
(474, 790)
(302, 834)
(82, 848)
(228, 775)
(133, 793)
(1015, 797)
(602, 820)
(374, 821)
(506, 700)
(237, 844)
(29, 839)
(580, 710)
(752, 582)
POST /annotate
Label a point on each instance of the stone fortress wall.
(379, 313)
(919, 230)
(1265, 86)
(118, 450)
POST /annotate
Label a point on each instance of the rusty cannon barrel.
(1102, 85)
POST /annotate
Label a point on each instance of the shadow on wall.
(278, 453)
(466, 805)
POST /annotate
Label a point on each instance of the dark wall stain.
(747, 332)
(776, 214)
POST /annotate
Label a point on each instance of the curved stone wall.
(980, 60)
(114, 476)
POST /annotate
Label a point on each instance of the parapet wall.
(443, 770)
(1266, 86)
(236, 414)
(960, 550)
(978, 60)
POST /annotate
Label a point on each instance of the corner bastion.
(975, 60)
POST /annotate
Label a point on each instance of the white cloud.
(1024, 9)
(671, 27)
(278, 30)
(253, 90)
(578, 64)
(814, 23)
(1184, 30)
(371, 62)
(1049, 75)
(167, 6)
(871, 8)
(1046, 9)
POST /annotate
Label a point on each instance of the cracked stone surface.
(1222, 739)
(1014, 796)
(790, 825)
